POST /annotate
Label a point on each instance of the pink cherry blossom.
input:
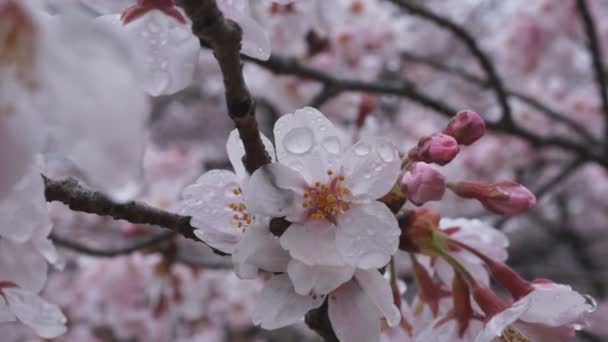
(438, 148)
(506, 198)
(466, 127)
(328, 193)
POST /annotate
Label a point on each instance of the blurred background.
(375, 67)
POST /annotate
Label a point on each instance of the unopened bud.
(466, 127)
(422, 183)
(438, 148)
(505, 198)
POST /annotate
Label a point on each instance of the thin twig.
(224, 37)
(79, 198)
(595, 49)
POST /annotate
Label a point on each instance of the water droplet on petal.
(331, 145)
(386, 152)
(361, 149)
(591, 302)
(298, 140)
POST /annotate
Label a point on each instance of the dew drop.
(298, 140)
(386, 152)
(591, 302)
(331, 145)
(361, 149)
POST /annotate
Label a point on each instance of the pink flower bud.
(438, 148)
(466, 127)
(505, 198)
(422, 183)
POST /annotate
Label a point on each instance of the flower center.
(327, 200)
(241, 219)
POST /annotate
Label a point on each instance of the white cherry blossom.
(328, 193)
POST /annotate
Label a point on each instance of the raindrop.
(386, 152)
(361, 149)
(298, 140)
(331, 145)
(591, 302)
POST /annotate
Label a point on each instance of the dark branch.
(109, 252)
(595, 50)
(484, 61)
(224, 37)
(78, 198)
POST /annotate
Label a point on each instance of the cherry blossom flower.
(356, 308)
(255, 40)
(466, 127)
(505, 198)
(422, 183)
(217, 206)
(328, 193)
(438, 148)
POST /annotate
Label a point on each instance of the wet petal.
(371, 168)
(308, 142)
(353, 315)
(23, 265)
(313, 243)
(276, 190)
(317, 279)
(367, 235)
(554, 305)
(45, 318)
(379, 291)
(213, 201)
(279, 305)
(260, 248)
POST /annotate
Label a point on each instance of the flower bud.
(438, 148)
(466, 127)
(505, 198)
(417, 230)
(422, 183)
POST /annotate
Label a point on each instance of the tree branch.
(595, 50)
(484, 61)
(78, 198)
(109, 252)
(224, 37)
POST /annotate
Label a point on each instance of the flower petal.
(276, 190)
(371, 168)
(210, 201)
(6, 315)
(495, 326)
(379, 291)
(313, 243)
(258, 247)
(45, 318)
(353, 315)
(255, 40)
(20, 263)
(554, 305)
(307, 142)
(278, 305)
(317, 279)
(236, 151)
(367, 235)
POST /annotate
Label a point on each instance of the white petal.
(236, 151)
(208, 202)
(379, 291)
(24, 213)
(371, 168)
(45, 318)
(313, 243)
(260, 248)
(554, 305)
(245, 271)
(275, 190)
(22, 265)
(278, 305)
(353, 315)
(6, 315)
(255, 40)
(308, 142)
(495, 326)
(317, 279)
(446, 272)
(367, 235)
(480, 235)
